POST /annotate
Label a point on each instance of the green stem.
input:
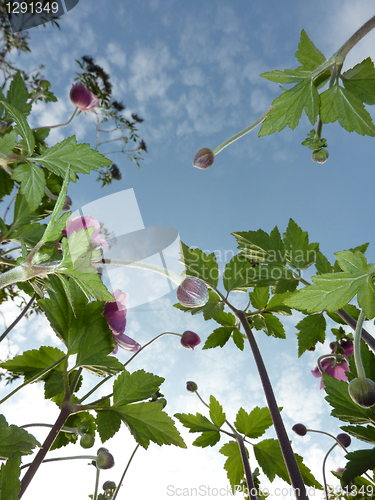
(71, 430)
(60, 459)
(148, 267)
(125, 471)
(3, 335)
(19, 273)
(96, 483)
(32, 379)
(60, 125)
(324, 470)
(357, 346)
(242, 133)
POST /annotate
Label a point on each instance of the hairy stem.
(354, 39)
(125, 471)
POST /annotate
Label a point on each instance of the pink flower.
(332, 367)
(189, 340)
(78, 223)
(116, 318)
(83, 98)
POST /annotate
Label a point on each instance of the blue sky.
(191, 70)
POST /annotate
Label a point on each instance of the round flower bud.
(344, 439)
(104, 459)
(83, 98)
(67, 203)
(203, 159)
(45, 85)
(320, 155)
(332, 345)
(109, 485)
(87, 441)
(192, 292)
(162, 401)
(189, 340)
(362, 392)
(191, 386)
(299, 429)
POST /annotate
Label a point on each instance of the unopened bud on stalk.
(344, 439)
(109, 485)
(299, 429)
(191, 386)
(189, 339)
(67, 204)
(320, 155)
(203, 159)
(362, 392)
(192, 292)
(87, 441)
(104, 459)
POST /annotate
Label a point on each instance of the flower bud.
(203, 159)
(104, 459)
(162, 401)
(299, 429)
(191, 386)
(189, 340)
(344, 439)
(45, 85)
(87, 441)
(83, 98)
(109, 485)
(362, 392)
(320, 155)
(192, 292)
(67, 204)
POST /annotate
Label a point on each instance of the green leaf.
(31, 234)
(270, 459)
(236, 272)
(32, 362)
(225, 319)
(77, 251)
(366, 434)
(287, 76)
(210, 310)
(199, 264)
(312, 329)
(208, 438)
(259, 297)
(307, 477)
(253, 424)
(233, 465)
(147, 422)
(350, 309)
(338, 103)
(259, 247)
(15, 440)
(67, 153)
(32, 180)
(287, 108)
(17, 95)
(74, 421)
(216, 412)
(322, 264)
(139, 385)
(90, 284)
(360, 80)
(270, 324)
(238, 339)
(8, 142)
(6, 184)
(196, 423)
(277, 306)
(307, 54)
(299, 253)
(359, 462)
(9, 474)
(343, 406)
(22, 126)
(219, 337)
(108, 423)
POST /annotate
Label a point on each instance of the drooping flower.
(83, 98)
(192, 292)
(116, 318)
(189, 340)
(333, 367)
(83, 222)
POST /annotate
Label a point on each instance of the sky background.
(191, 70)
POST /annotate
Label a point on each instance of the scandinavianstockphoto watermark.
(205, 490)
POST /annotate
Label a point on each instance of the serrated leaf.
(359, 462)
(32, 180)
(270, 324)
(74, 421)
(236, 272)
(199, 264)
(196, 423)
(67, 153)
(224, 318)
(338, 103)
(343, 406)
(299, 253)
(322, 264)
(270, 459)
(31, 234)
(108, 423)
(18, 95)
(22, 126)
(219, 337)
(366, 434)
(238, 339)
(233, 465)
(216, 412)
(308, 478)
(31, 363)
(6, 184)
(307, 54)
(136, 386)
(13, 439)
(147, 422)
(259, 297)
(277, 306)
(208, 438)
(259, 247)
(253, 424)
(288, 107)
(287, 76)
(8, 142)
(360, 80)
(9, 474)
(311, 330)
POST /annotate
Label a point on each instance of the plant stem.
(369, 339)
(242, 133)
(3, 335)
(125, 471)
(96, 483)
(286, 449)
(148, 267)
(324, 469)
(60, 459)
(59, 125)
(357, 346)
(354, 39)
(66, 410)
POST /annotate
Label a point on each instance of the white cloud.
(116, 55)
